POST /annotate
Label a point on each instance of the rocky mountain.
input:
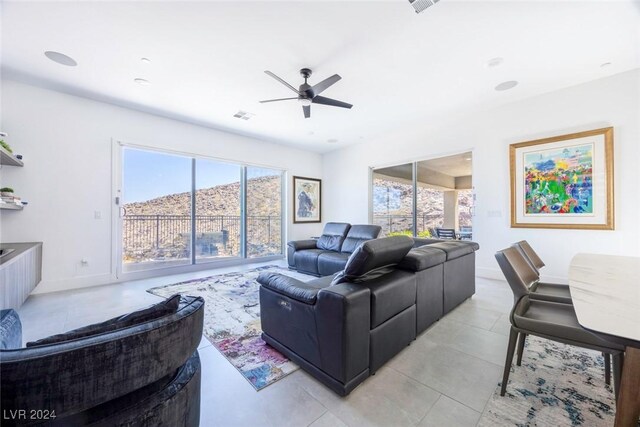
(219, 200)
(159, 228)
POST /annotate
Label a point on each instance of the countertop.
(20, 248)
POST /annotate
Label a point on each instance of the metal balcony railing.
(146, 237)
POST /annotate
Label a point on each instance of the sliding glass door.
(218, 219)
(393, 199)
(155, 210)
(178, 210)
(423, 198)
(264, 212)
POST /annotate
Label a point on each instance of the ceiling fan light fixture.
(306, 102)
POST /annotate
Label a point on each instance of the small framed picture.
(563, 182)
(307, 199)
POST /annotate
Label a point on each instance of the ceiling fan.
(308, 94)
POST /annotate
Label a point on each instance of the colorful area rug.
(557, 385)
(232, 321)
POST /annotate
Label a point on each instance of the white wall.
(66, 144)
(613, 101)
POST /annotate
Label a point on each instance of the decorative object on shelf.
(7, 158)
(5, 146)
(8, 200)
(307, 203)
(564, 181)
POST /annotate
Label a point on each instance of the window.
(179, 210)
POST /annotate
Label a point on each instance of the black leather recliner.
(342, 328)
(329, 253)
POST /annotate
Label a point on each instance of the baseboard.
(496, 274)
(73, 283)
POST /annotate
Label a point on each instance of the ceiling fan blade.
(282, 81)
(307, 111)
(328, 101)
(317, 89)
(279, 99)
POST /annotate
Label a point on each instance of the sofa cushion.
(421, 241)
(421, 258)
(10, 330)
(331, 262)
(156, 311)
(456, 249)
(333, 235)
(374, 258)
(330, 243)
(307, 260)
(359, 234)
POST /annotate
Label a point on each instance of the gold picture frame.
(563, 182)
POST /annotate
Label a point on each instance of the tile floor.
(444, 378)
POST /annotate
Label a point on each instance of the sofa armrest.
(299, 245)
(288, 286)
(343, 319)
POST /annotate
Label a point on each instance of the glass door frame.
(117, 154)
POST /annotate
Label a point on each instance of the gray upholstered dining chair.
(546, 319)
(548, 292)
(539, 290)
(531, 255)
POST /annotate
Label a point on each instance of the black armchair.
(146, 373)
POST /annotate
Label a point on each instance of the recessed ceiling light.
(145, 60)
(494, 62)
(61, 58)
(506, 85)
(467, 158)
(142, 82)
(332, 141)
(605, 64)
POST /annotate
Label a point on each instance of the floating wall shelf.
(8, 159)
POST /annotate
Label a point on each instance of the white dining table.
(605, 290)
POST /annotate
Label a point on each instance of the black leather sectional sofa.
(342, 328)
(329, 253)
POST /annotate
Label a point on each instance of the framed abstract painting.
(307, 200)
(563, 182)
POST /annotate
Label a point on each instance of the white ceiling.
(398, 68)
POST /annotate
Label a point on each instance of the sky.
(151, 174)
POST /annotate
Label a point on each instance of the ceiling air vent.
(420, 5)
(243, 115)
